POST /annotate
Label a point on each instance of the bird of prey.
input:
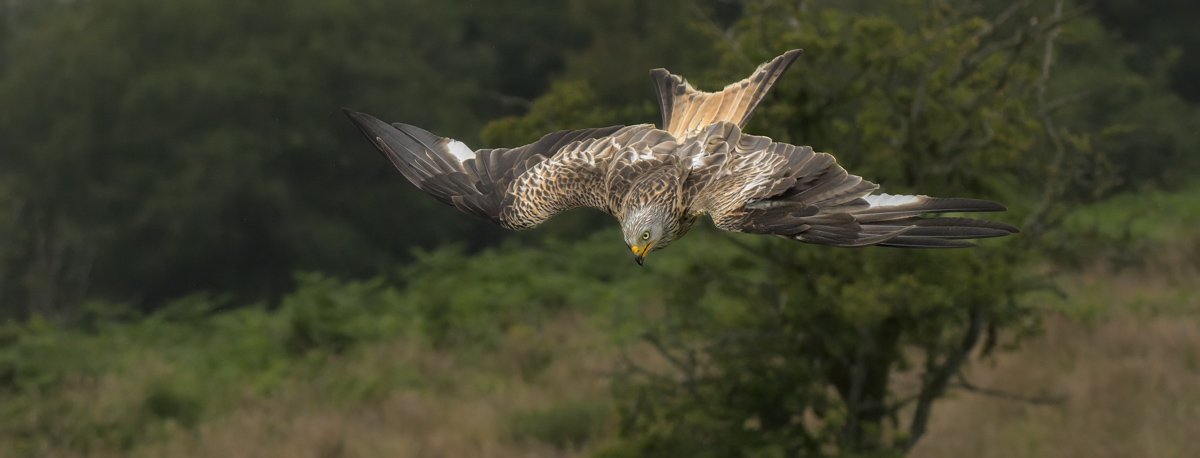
(658, 181)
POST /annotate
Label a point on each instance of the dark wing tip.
(366, 123)
(994, 206)
(357, 117)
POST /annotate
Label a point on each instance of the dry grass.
(1130, 377)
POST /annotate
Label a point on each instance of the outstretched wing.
(517, 188)
(684, 108)
(795, 192)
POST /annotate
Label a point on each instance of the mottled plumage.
(657, 182)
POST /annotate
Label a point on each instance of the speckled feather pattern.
(699, 163)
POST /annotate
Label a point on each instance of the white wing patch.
(459, 149)
(891, 200)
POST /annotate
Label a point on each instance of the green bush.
(327, 314)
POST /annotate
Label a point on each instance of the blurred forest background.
(200, 256)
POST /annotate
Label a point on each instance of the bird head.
(646, 229)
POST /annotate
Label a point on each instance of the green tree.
(776, 349)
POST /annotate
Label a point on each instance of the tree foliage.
(782, 350)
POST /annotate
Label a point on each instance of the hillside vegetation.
(362, 369)
(200, 256)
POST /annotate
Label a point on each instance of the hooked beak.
(639, 253)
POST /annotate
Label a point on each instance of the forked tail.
(684, 108)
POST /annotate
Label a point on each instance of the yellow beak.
(639, 252)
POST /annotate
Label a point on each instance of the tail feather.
(684, 108)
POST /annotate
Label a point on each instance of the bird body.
(658, 182)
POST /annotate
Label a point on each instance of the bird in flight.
(658, 181)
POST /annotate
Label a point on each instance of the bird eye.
(646, 235)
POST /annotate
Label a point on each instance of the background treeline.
(154, 150)
(187, 219)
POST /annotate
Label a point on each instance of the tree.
(770, 348)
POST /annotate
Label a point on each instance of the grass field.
(1121, 383)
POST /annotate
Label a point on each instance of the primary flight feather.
(658, 181)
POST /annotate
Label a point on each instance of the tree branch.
(1044, 399)
(937, 377)
(1054, 185)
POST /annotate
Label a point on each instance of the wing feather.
(480, 183)
(794, 192)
